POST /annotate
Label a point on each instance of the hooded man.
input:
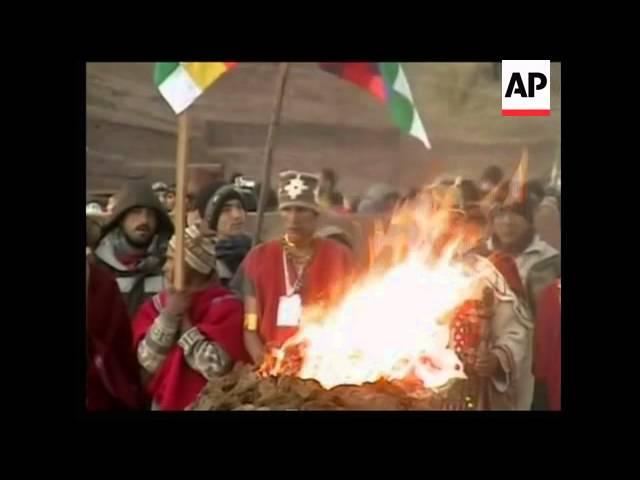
(278, 278)
(184, 339)
(134, 242)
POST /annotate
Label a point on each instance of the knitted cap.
(200, 251)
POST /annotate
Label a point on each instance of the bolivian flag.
(180, 83)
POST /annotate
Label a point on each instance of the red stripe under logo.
(526, 113)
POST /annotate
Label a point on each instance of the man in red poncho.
(113, 382)
(184, 339)
(278, 278)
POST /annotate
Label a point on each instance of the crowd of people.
(150, 346)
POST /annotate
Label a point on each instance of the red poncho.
(175, 384)
(548, 343)
(327, 277)
(113, 380)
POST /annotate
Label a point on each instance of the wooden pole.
(268, 148)
(181, 198)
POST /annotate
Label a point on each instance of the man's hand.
(487, 364)
(177, 303)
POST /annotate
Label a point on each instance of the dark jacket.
(147, 279)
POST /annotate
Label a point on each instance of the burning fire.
(394, 324)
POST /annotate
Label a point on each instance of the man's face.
(299, 222)
(232, 219)
(170, 201)
(510, 227)
(140, 225)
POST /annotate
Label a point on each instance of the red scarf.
(506, 265)
(176, 385)
(130, 260)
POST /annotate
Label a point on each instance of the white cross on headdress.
(295, 187)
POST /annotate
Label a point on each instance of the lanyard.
(290, 290)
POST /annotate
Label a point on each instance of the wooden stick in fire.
(268, 148)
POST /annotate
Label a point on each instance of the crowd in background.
(151, 347)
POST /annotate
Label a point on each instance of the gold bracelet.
(251, 322)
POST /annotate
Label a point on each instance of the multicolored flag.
(388, 83)
(180, 83)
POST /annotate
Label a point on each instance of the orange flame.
(395, 322)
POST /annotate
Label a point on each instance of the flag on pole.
(180, 83)
(388, 83)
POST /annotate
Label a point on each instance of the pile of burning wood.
(245, 388)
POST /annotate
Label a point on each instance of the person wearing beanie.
(278, 278)
(133, 243)
(183, 339)
(222, 209)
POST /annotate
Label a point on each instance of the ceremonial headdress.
(298, 189)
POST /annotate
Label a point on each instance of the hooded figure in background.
(134, 242)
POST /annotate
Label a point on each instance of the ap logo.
(526, 87)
